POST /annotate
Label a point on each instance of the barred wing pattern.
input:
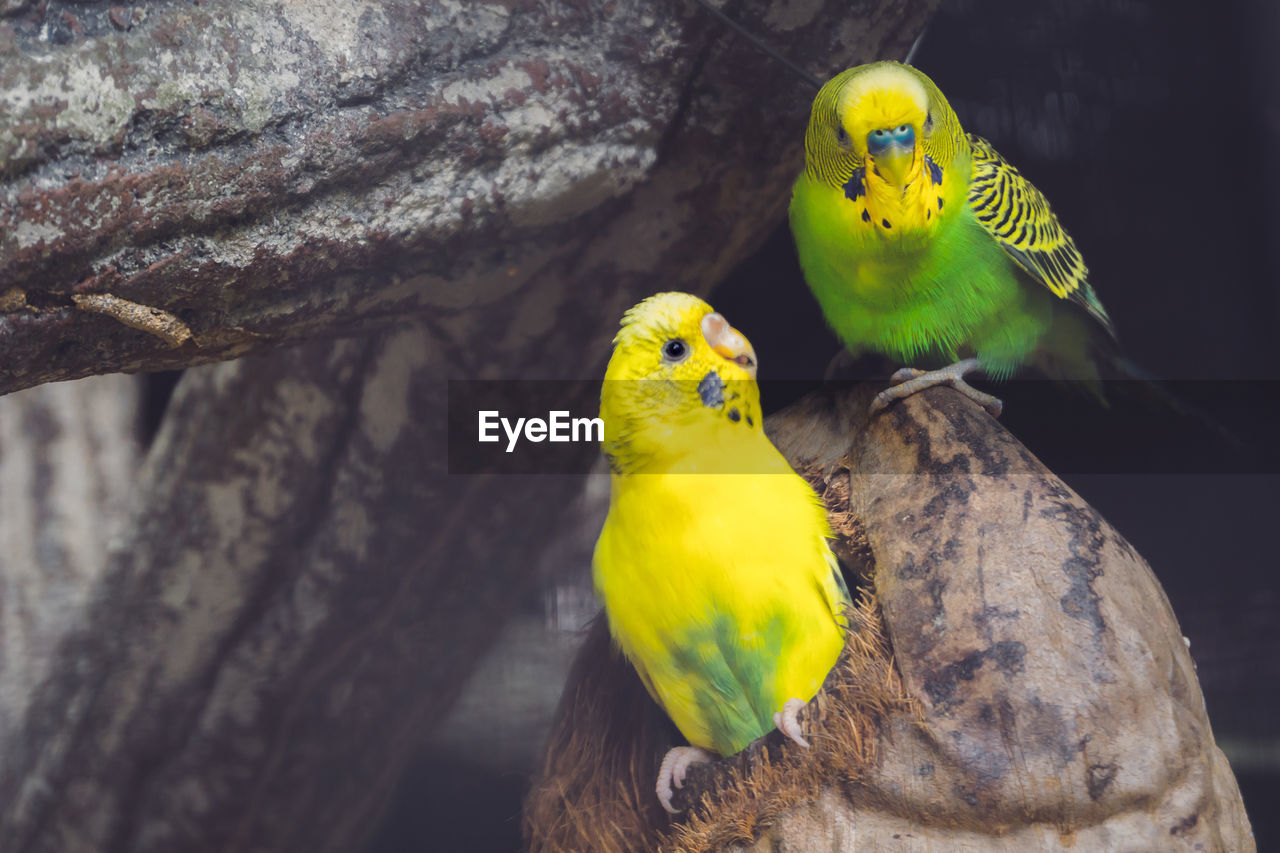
(1018, 216)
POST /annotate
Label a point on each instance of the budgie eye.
(842, 135)
(928, 123)
(675, 350)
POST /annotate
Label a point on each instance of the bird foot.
(675, 764)
(909, 380)
(788, 723)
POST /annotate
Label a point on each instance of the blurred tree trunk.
(463, 190)
(67, 460)
(298, 593)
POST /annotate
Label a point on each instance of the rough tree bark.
(1060, 704)
(300, 589)
(233, 175)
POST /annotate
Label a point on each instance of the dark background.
(1153, 127)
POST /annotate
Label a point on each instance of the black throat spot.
(935, 171)
(711, 390)
(855, 188)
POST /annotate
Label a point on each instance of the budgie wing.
(730, 685)
(1018, 216)
(835, 592)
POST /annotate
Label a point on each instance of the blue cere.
(902, 136)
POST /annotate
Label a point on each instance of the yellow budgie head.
(885, 135)
(678, 375)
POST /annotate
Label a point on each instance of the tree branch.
(258, 174)
(1060, 704)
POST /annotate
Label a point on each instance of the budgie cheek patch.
(711, 390)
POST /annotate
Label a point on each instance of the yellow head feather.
(678, 372)
(880, 97)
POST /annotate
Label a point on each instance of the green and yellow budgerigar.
(713, 563)
(921, 243)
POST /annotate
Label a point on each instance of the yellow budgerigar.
(713, 564)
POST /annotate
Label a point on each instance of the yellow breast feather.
(713, 563)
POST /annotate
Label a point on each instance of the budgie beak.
(729, 342)
(894, 165)
(893, 152)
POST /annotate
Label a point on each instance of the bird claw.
(909, 380)
(788, 723)
(675, 766)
